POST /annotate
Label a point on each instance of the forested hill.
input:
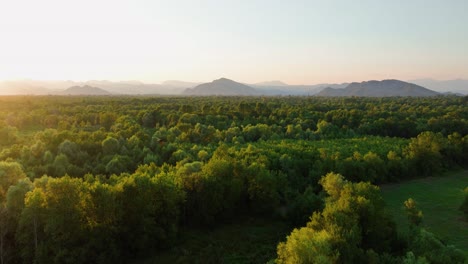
(221, 86)
(383, 88)
(85, 90)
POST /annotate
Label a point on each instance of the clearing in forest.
(439, 198)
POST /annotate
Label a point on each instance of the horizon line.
(200, 82)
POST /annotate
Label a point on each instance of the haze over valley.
(224, 86)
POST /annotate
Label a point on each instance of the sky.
(297, 42)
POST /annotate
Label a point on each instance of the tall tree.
(352, 224)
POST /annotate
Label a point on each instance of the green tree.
(110, 146)
(107, 120)
(10, 174)
(424, 152)
(464, 206)
(427, 246)
(149, 211)
(61, 165)
(415, 216)
(30, 233)
(119, 164)
(352, 223)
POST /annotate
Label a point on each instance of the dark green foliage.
(148, 213)
(10, 174)
(427, 246)
(302, 207)
(464, 206)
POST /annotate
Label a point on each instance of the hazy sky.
(298, 42)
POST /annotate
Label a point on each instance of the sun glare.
(155, 41)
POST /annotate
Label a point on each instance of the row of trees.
(57, 153)
(91, 220)
(400, 117)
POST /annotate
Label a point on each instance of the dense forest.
(108, 179)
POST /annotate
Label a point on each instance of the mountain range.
(34, 87)
(225, 86)
(383, 88)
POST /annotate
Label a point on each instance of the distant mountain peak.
(85, 90)
(222, 79)
(221, 86)
(384, 88)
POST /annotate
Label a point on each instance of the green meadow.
(439, 198)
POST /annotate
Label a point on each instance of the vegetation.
(464, 206)
(439, 198)
(247, 240)
(354, 228)
(111, 179)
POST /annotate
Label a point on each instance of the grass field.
(439, 198)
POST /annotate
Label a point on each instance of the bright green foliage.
(306, 245)
(352, 222)
(415, 216)
(425, 152)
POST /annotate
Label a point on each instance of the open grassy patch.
(439, 198)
